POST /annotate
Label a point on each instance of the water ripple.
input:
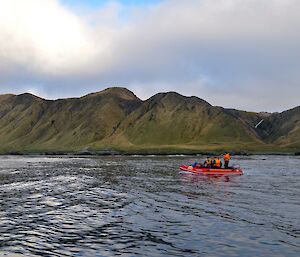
(142, 206)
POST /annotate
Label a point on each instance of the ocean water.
(143, 206)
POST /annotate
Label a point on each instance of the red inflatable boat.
(211, 171)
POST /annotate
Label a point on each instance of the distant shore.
(115, 121)
(144, 153)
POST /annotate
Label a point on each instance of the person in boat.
(213, 162)
(226, 158)
(197, 165)
(207, 162)
(217, 163)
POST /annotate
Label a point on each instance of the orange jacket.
(226, 157)
(218, 163)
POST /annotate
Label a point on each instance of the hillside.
(28, 123)
(282, 128)
(116, 119)
(170, 119)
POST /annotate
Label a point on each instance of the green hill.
(170, 120)
(282, 128)
(116, 119)
(28, 123)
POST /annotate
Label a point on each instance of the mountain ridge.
(115, 118)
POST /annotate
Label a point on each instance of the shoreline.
(116, 153)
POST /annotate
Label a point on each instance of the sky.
(242, 54)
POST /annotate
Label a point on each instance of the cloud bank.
(236, 53)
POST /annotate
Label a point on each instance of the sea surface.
(143, 206)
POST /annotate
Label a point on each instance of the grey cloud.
(240, 54)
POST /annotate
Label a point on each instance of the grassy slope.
(171, 120)
(30, 123)
(283, 129)
(117, 118)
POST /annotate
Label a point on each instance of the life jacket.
(226, 157)
(207, 161)
(218, 163)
